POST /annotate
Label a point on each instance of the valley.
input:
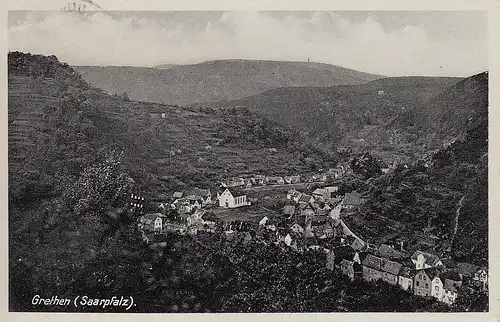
(398, 162)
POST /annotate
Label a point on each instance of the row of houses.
(195, 199)
(157, 223)
(421, 274)
(262, 180)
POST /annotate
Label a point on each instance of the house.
(258, 180)
(232, 198)
(357, 244)
(319, 194)
(347, 268)
(195, 217)
(296, 228)
(152, 223)
(177, 195)
(289, 211)
(452, 281)
(422, 282)
(291, 194)
(481, 276)
(372, 268)
(305, 199)
(381, 93)
(307, 210)
(352, 200)
(389, 252)
(263, 221)
(405, 278)
(173, 227)
(437, 286)
(450, 294)
(296, 197)
(321, 208)
(204, 195)
(210, 219)
(390, 271)
(196, 202)
(319, 178)
(275, 180)
(322, 231)
(324, 193)
(248, 183)
(294, 179)
(423, 260)
(288, 240)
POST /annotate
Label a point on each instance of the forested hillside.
(216, 80)
(443, 197)
(76, 154)
(382, 116)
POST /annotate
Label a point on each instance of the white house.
(232, 198)
(423, 260)
(450, 294)
(263, 221)
(158, 224)
(437, 288)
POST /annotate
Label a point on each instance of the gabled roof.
(305, 198)
(319, 191)
(430, 259)
(210, 216)
(432, 273)
(373, 262)
(236, 192)
(452, 276)
(388, 252)
(391, 267)
(177, 194)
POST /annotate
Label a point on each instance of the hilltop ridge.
(216, 80)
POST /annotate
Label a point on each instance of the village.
(312, 220)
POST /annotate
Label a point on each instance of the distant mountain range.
(216, 80)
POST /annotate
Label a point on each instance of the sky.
(391, 43)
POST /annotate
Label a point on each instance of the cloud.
(100, 38)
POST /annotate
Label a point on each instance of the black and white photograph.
(248, 161)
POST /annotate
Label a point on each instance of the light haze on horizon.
(389, 43)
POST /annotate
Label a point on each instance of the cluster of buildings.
(421, 274)
(262, 180)
(314, 222)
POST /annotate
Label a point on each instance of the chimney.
(308, 60)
